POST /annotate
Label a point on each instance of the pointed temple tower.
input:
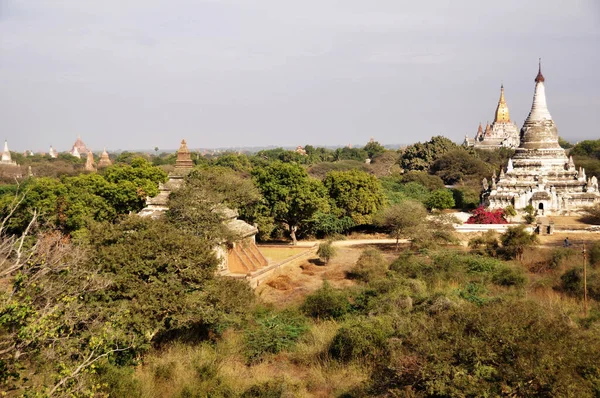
(6, 158)
(90, 164)
(104, 160)
(239, 258)
(540, 174)
(184, 160)
(501, 133)
(78, 148)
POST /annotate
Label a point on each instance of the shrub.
(490, 351)
(486, 243)
(326, 251)
(370, 266)
(440, 199)
(273, 332)
(515, 240)
(594, 253)
(409, 266)
(572, 282)
(327, 224)
(363, 338)
(466, 198)
(326, 303)
(559, 256)
(509, 276)
(473, 293)
(483, 216)
(269, 389)
(529, 214)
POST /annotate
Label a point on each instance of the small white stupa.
(6, 158)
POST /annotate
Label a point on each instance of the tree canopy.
(354, 194)
(291, 196)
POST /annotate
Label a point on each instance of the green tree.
(405, 220)
(515, 240)
(431, 182)
(420, 156)
(347, 153)
(564, 143)
(354, 194)
(141, 172)
(234, 161)
(440, 199)
(291, 196)
(459, 165)
(208, 197)
(373, 148)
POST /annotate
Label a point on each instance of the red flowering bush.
(483, 216)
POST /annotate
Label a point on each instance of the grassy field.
(279, 254)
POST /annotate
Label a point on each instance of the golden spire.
(502, 114)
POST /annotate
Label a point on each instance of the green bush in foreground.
(361, 339)
(370, 266)
(326, 303)
(273, 332)
(326, 251)
(502, 348)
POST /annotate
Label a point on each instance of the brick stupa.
(104, 160)
(184, 160)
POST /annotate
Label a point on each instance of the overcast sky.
(134, 74)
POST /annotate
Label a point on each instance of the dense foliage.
(96, 302)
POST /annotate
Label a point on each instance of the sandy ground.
(305, 275)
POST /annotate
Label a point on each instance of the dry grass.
(279, 254)
(281, 282)
(208, 370)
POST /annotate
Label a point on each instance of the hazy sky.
(142, 73)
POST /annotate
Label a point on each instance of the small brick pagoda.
(239, 258)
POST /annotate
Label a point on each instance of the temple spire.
(539, 108)
(502, 113)
(539, 77)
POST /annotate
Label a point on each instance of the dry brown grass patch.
(281, 282)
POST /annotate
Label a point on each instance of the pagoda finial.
(539, 77)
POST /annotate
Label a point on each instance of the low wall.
(487, 227)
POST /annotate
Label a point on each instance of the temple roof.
(502, 113)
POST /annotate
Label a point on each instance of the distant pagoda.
(104, 160)
(501, 133)
(52, 152)
(184, 160)
(78, 148)
(90, 164)
(6, 159)
(540, 173)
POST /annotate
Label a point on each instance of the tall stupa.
(540, 173)
(501, 133)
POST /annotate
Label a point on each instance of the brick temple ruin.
(239, 257)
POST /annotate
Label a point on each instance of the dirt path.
(352, 242)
